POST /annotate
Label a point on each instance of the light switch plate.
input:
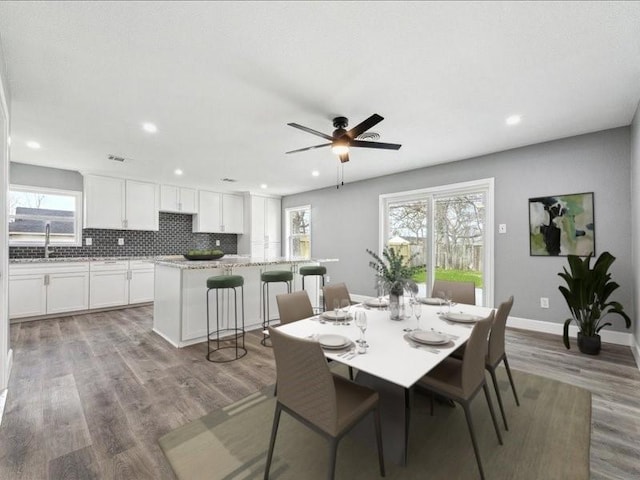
(88, 242)
(502, 228)
(121, 241)
(544, 302)
(217, 243)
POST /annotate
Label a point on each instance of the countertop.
(18, 261)
(232, 261)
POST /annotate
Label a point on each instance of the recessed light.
(177, 171)
(32, 144)
(149, 127)
(513, 120)
(315, 173)
(263, 185)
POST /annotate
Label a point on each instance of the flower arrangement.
(394, 272)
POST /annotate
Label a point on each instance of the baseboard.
(77, 312)
(5, 392)
(193, 341)
(635, 349)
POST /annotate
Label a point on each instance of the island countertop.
(233, 261)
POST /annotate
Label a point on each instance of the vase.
(396, 306)
(589, 345)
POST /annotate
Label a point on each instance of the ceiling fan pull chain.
(342, 174)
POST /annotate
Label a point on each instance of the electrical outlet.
(502, 228)
(121, 241)
(544, 302)
(217, 243)
(88, 242)
(327, 279)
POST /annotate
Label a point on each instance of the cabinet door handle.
(222, 228)
(46, 279)
(180, 206)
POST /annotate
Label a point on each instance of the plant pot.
(589, 345)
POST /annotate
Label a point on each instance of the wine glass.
(361, 323)
(345, 304)
(448, 298)
(411, 305)
(440, 295)
(417, 312)
(336, 310)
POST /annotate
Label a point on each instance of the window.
(450, 230)
(32, 208)
(298, 232)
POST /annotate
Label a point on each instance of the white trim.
(3, 402)
(287, 232)
(635, 349)
(473, 186)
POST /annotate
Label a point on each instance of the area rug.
(548, 438)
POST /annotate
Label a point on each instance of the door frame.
(486, 184)
(6, 354)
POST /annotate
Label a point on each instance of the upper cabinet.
(219, 213)
(262, 226)
(116, 203)
(178, 199)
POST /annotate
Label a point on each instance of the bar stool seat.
(267, 278)
(234, 334)
(313, 270)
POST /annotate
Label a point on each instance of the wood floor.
(90, 395)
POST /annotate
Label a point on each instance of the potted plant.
(587, 295)
(395, 274)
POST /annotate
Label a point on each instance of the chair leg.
(333, 447)
(351, 373)
(467, 414)
(513, 387)
(376, 417)
(272, 442)
(493, 413)
(495, 386)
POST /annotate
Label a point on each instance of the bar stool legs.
(265, 309)
(231, 335)
(317, 271)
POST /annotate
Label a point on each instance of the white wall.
(345, 221)
(5, 352)
(635, 217)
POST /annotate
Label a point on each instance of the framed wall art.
(562, 225)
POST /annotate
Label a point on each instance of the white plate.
(428, 337)
(377, 302)
(462, 317)
(331, 315)
(333, 341)
(431, 301)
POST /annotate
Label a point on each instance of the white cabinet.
(39, 289)
(121, 282)
(262, 227)
(116, 203)
(177, 199)
(109, 284)
(141, 281)
(219, 213)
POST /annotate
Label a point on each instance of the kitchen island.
(180, 309)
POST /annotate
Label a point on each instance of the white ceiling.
(221, 80)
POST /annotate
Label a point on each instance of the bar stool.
(317, 270)
(273, 276)
(220, 283)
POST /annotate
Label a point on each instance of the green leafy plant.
(587, 295)
(394, 271)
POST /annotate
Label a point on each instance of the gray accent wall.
(635, 208)
(36, 176)
(345, 221)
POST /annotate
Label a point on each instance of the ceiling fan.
(342, 140)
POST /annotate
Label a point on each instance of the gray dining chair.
(496, 353)
(325, 402)
(461, 292)
(337, 291)
(461, 380)
(294, 306)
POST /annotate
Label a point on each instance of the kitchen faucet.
(47, 238)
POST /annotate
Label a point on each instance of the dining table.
(396, 356)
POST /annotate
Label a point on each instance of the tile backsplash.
(175, 237)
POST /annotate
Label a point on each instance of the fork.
(423, 347)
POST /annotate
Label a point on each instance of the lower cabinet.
(36, 289)
(121, 282)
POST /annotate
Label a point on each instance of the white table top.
(389, 355)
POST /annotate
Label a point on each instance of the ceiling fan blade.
(311, 130)
(364, 126)
(344, 157)
(367, 144)
(309, 148)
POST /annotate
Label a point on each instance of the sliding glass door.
(449, 229)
